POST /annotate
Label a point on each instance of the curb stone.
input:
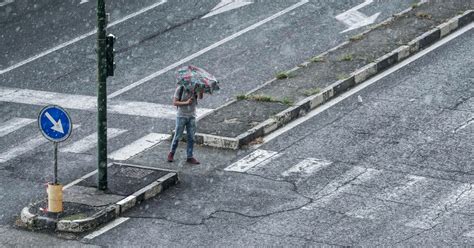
(35, 222)
(340, 86)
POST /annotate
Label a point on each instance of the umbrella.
(195, 78)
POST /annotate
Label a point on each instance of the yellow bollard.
(55, 198)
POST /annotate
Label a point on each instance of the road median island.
(86, 208)
(294, 93)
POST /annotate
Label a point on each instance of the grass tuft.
(356, 37)
(282, 75)
(342, 76)
(347, 57)
(312, 91)
(317, 59)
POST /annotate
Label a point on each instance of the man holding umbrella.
(192, 83)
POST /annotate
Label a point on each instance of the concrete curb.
(337, 88)
(105, 215)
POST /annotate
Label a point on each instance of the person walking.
(185, 100)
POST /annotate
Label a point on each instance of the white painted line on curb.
(138, 146)
(251, 160)
(65, 44)
(89, 103)
(307, 167)
(363, 85)
(106, 228)
(90, 141)
(431, 216)
(24, 147)
(205, 50)
(13, 125)
(6, 2)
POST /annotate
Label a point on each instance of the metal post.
(55, 181)
(101, 96)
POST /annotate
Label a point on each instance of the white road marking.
(306, 167)
(5, 2)
(251, 160)
(341, 184)
(83, 177)
(90, 141)
(469, 122)
(205, 50)
(226, 5)
(65, 44)
(83, 1)
(106, 228)
(432, 216)
(362, 86)
(373, 209)
(469, 234)
(13, 125)
(24, 147)
(89, 103)
(355, 19)
(138, 146)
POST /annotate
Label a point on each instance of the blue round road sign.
(54, 123)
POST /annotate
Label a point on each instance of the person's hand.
(189, 101)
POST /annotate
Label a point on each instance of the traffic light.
(110, 53)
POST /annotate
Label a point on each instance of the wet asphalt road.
(212, 207)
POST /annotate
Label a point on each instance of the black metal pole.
(101, 96)
(55, 181)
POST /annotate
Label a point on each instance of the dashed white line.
(65, 44)
(306, 167)
(432, 216)
(205, 50)
(138, 146)
(13, 125)
(90, 141)
(251, 160)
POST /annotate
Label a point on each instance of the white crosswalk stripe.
(13, 125)
(24, 147)
(90, 141)
(138, 146)
(431, 216)
(253, 159)
(306, 167)
(341, 184)
(372, 209)
(89, 103)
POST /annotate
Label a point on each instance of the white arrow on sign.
(57, 126)
(355, 19)
(226, 5)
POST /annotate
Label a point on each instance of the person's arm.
(200, 95)
(182, 103)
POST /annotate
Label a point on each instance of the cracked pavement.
(400, 173)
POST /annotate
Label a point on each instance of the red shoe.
(192, 161)
(170, 157)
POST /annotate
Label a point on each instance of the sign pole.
(101, 96)
(55, 163)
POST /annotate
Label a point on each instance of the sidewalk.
(86, 208)
(295, 92)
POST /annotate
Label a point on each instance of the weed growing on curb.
(282, 75)
(241, 97)
(317, 59)
(342, 76)
(423, 15)
(312, 91)
(356, 37)
(347, 57)
(414, 5)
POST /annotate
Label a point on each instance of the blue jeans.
(190, 124)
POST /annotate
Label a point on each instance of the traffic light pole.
(101, 96)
